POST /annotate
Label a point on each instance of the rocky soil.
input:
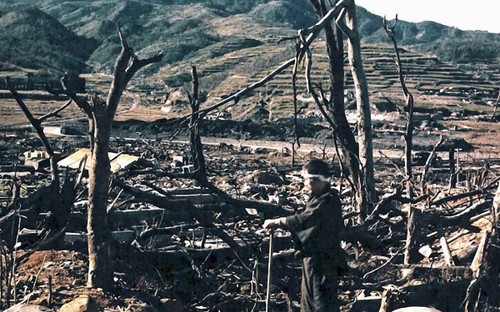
(249, 159)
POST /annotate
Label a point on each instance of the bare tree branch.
(311, 33)
(34, 121)
(428, 163)
(409, 98)
(124, 72)
(56, 112)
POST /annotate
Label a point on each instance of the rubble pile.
(203, 249)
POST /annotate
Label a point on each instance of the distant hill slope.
(448, 43)
(233, 43)
(32, 38)
(74, 32)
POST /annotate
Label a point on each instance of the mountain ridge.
(232, 44)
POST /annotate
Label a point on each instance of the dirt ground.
(54, 277)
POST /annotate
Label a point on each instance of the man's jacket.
(317, 231)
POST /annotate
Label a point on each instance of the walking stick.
(269, 272)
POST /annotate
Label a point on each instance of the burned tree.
(196, 147)
(57, 197)
(365, 136)
(413, 213)
(333, 107)
(100, 113)
(408, 109)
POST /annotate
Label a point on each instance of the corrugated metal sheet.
(118, 161)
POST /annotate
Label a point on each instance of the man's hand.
(272, 224)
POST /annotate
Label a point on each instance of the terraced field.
(433, 83)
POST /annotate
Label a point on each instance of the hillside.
(182, 246)
(31, 38)
(180, 28)
(234, 44)
(187, 29)
(433, 82)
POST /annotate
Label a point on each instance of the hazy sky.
(466, 15)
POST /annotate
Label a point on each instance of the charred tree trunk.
(412, 237)
(196, 146)
(365, 136)
(336, 106)
(453, 174)
(413, 214)
(343, 130)
(100, 113)
(408, 137)
(100, 272)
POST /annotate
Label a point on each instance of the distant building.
(117, 161)
(36, 159)
(72, 82)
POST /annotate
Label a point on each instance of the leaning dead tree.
(57, 197)
(200, 170)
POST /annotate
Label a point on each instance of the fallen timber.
(447, 283)
(172, 237)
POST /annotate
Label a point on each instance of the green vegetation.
(228, 47)
(289, 13)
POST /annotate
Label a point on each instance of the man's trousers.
(319, 288)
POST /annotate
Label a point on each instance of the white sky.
(465, 15)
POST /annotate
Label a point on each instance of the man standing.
(317, 233)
